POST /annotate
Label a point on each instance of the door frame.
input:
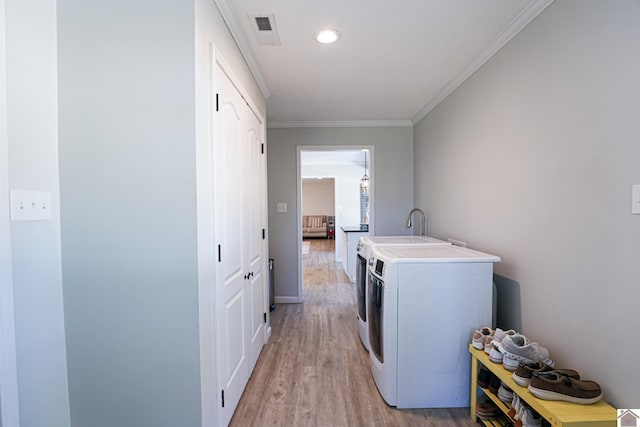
(371, 172)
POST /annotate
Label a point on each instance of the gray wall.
(32, 146)
(533, 159)
(130, 125)
(392, 186)
(126, 184)
(127, 161)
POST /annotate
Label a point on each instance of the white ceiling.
(396, 60)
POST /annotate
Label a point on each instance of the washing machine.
(423, 305)
(365, 245)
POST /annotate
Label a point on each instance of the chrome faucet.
(424, 220)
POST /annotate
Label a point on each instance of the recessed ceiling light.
(327, 36)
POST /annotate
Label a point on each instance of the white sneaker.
(495, 355)
(477, 341)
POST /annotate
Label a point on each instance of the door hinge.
(223, 398)
(219, 253)
(217, 105)
(264, 234)
(262, 148)
(265, 317)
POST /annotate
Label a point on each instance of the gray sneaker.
(517, 348)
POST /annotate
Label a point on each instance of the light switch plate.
(281, 207)
(635, 199)
(30, 205)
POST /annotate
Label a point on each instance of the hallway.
(314, 370)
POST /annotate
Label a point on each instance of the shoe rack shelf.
(557, 413)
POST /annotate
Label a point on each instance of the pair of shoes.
(478, 339)
(495, 354)
(556, 386)
(517, 348)
(487, 410)
(522, 374)
(505, 394)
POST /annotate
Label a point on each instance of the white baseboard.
(287, 300)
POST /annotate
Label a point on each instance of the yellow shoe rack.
(557, 413)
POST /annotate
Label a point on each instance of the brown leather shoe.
(554, 386)
(522, 375)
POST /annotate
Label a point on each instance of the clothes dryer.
(365, 245)
(424, 304)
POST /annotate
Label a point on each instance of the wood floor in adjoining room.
(314, 371)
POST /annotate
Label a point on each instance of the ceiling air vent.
(263, 22)
(265, 29)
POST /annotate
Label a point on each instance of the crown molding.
(339, 124)
(528, 14)
(235, 28)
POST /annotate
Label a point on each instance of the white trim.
(9, 404)
(299, 222)
(235, 28)
(204, 223)
(265, 241)
(533, 9)
(287, 300)
(340, 124)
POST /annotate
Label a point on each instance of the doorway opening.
(335, 189)
(318, 198)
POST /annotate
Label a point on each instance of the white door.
(255, 253)
(240, 227)
(232, 269)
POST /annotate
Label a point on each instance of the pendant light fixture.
(364, 181)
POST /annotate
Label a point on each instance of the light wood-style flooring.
(314, 371)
